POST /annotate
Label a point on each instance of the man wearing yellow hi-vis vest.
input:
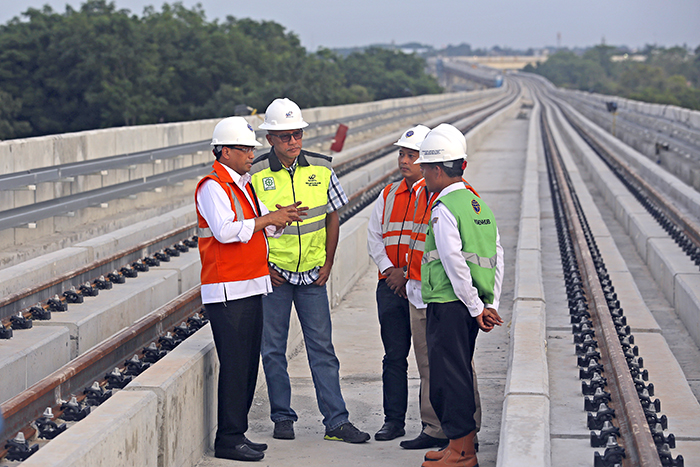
(300, 263)
(461, 278)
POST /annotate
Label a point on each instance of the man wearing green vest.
(461, 277)
(300, 264)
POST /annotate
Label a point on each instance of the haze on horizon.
(516, 24)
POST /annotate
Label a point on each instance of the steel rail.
(633, 424)
(79, 373)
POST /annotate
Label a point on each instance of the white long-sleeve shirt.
(449, 246)
(215, 206)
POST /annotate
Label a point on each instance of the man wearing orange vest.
(232, 227)
(388, 235)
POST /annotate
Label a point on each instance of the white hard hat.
(443, 143)
(283, 114)
(234, 131)
(413, 137)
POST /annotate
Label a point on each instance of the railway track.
(70, 391)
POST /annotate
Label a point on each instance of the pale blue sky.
(510, 23)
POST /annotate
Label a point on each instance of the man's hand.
(488, 319)
(276, 278)
(285, 215)
(323, 275)
(396, 281)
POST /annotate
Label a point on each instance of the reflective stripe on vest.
(205, 232)
(488, 263)
(397, 222)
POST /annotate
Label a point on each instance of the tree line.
(99, 66)
(666, 76)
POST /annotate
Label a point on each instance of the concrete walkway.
(496, 171)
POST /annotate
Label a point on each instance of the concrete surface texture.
(496, 171)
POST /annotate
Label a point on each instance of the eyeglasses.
(245, 149)
(287, 137)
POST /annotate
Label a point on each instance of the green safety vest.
(302, 245)
(477, 229)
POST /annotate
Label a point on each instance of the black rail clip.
(151, 261)
(18, 321)
(140, 266)
(588, 372)
(604, 414)
(599, 440)
(585, 336)
(667, 459)
(96, 394)
(589, 387)
(645, 399)
(130, 271)
(191, 242)
(591, 354)
(39, 313)
(162, 256)
(5, 333)
(74, 410)
(657, 432)
(196, 322)
(613, 455)
(72, 296)
(576, 327)
(117, 380)
(152, 353)
(135, 367)
(171, 251)
(592, 403)
(88, 290)
(168, 341)
(183, 331)
(55, 304)
(18, 449)
(48, 429)
(102, 284)
(653, 418)
(116, 278)
(640, 386)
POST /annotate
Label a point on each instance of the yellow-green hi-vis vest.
(477, 229)
(302, 246)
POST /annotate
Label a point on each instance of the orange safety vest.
(421, 218)
(236, 261)
(397, 222)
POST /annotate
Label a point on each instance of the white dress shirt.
(215, 206)
(449, 246)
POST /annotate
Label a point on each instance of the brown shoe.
(459, 453)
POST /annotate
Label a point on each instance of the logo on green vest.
(476, 206)
(312, 180)
(268, 183)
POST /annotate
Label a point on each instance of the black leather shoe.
(241, 452)
(389, 431)
(284, 429)
(423, 441)
(255, 446)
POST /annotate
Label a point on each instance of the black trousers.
(237, 329)
(395, 327)
(451, 335)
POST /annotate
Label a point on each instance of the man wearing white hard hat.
(388, 236)
(300, 265)
(462, 273)
(233, 225)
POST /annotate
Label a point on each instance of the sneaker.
(284, 429)
(348, 433)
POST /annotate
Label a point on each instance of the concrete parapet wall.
(525, 439)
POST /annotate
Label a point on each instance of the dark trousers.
(237, 329)
(395, 324)
(451, 335)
